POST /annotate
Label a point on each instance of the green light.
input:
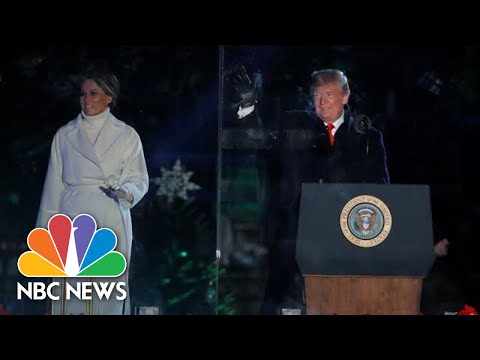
(183, 254)
(14, 198)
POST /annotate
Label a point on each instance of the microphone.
(362, 124)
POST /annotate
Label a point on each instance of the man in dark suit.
(328, 144)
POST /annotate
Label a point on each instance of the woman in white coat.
(96, 167)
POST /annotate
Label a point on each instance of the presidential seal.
(366, 221)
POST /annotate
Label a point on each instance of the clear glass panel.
(260, 85)
(403, 89)
(247, 169)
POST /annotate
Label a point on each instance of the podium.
(364, 248)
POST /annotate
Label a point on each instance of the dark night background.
(423, 97)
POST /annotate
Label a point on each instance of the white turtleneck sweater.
(93, 124)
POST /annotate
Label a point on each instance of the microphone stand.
(363, 125)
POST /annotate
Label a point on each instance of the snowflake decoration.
(174, 183)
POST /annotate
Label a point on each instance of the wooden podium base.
(359, 295)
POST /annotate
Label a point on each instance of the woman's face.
(93, 100)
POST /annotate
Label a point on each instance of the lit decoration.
(174, 183)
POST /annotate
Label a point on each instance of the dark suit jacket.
(302, 153)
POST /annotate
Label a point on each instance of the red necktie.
(330, 127)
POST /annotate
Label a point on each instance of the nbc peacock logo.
(72, 249)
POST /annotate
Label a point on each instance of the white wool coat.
(76, 173)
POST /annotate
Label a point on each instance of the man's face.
(328, 100)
